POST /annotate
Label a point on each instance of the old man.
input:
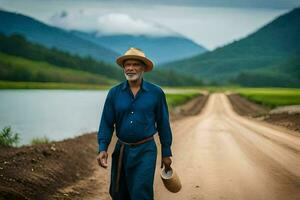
(137, 110)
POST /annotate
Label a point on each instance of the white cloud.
(107, 24)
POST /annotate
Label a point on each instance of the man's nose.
(129, 67)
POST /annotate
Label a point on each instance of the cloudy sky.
(211, 23)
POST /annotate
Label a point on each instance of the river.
(56, 114)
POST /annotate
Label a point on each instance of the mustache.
(132, 73)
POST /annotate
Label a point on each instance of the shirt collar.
(144, 85)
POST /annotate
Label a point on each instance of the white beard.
(134, 77)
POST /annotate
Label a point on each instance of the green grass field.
(271, 97)
(19, 69)
(178, 99)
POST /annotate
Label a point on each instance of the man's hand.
(166, 161)
(102, 159)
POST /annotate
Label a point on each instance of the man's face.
(133, 69)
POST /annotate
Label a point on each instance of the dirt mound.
(192, 107)
(36, 172)
(290, 121)
(245, 107)
(242, 106)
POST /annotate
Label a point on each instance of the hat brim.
(148, 62)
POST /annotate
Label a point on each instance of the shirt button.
(131, 112)
(131, 122)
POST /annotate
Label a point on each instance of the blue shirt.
(135, 118)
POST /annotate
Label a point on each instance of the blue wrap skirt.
(137, 172)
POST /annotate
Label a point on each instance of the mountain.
(160, 49)
(103, 48)
(273, 47)
(52, 37)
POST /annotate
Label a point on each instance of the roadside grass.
(180, 98)
(40, 140)
(8, 138)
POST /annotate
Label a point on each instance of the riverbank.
(48, 85)
(47, 171)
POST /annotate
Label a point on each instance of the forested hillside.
(35, 54)
(270, 55)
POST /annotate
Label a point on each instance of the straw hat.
(135, 53)
(171, 180)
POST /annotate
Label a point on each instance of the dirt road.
(220, 155)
